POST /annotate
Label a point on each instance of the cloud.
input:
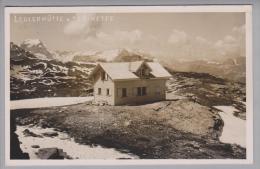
(115, 39)
(121, 36)
(229, 39)
(181, 44)
(177, 37)
(239, 29)
(232, 45)
(178, 43)
(83, 25)
(201, 40)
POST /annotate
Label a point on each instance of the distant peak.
(32, 42)
(37, 47)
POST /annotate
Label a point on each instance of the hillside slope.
(232, 69)
(208, 90)
(32, 77)
(179, 129)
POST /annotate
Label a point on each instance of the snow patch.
(31, 42)
(47, 82)
(109, 55)
(29, 90)
(234, 130)
(213, 62)
(67, 144)
(48, 102)
(82, 69)
(41, 56)
(86, 63)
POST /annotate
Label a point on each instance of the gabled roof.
(118, 70)
(126, 70)
(157, 70)
(134, 66)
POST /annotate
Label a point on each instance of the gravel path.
(48, 102)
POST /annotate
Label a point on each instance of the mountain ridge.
(32, 77)
(233, 69)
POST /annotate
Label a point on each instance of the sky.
(178, 35)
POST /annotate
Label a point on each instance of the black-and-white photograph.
(119, 83)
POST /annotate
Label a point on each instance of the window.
(124, 92)
(104, 76)
(107, 92)
(121, 92)
(144, 73)
(141, 91)
(99, 91)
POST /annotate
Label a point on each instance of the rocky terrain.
(38, 72)
(15, 149)
(208, 90)
(186, 126)
(33, 77)
(116, 55)
(232, 69)
(180, 129)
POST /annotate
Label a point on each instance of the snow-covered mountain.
(68, 56)
(118, 55)
(40, 50)
(37, 47)
(38, 72)
(108, 55)
(35, 77)
(232, 69)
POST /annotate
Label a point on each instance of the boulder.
(16, 151)
(51, 153)
(28, 133)
(50, 134)
(35, 146)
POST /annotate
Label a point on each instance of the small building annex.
(128, 83)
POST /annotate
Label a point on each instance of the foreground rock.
(35, 146)
(28, 133)
(52, 153)
(15, 149)
(50, 134)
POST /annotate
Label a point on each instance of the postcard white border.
(133, 9)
